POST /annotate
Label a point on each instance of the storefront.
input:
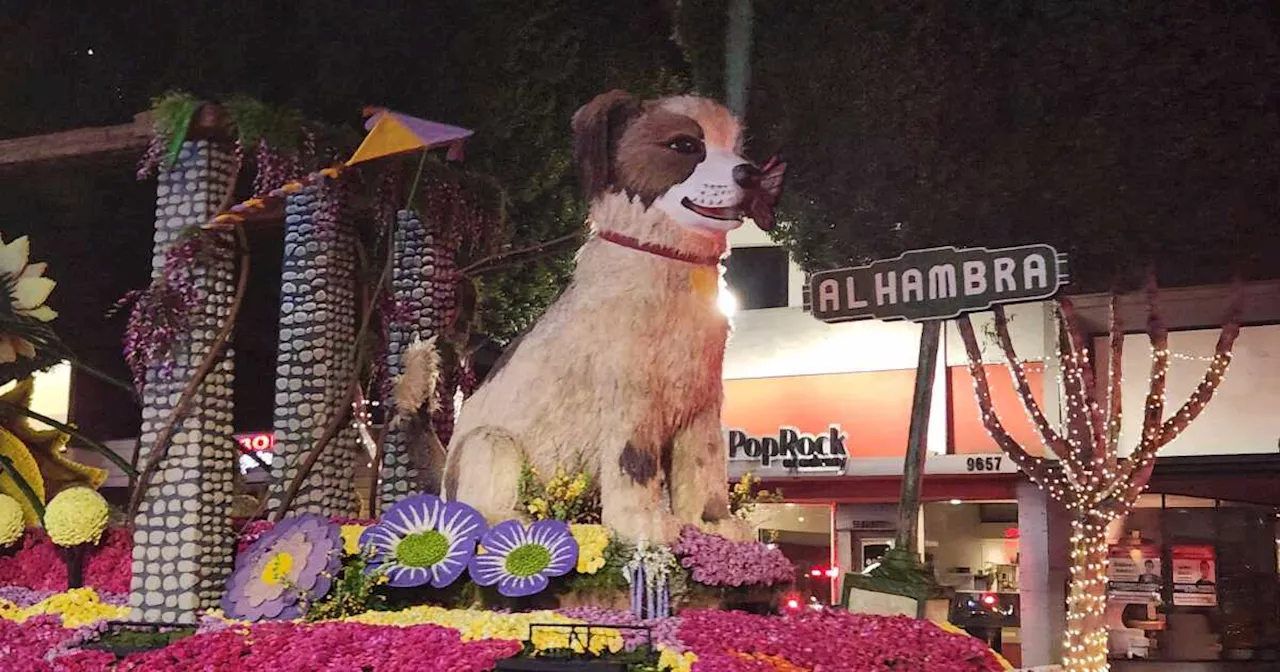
(833, 443)
(1193, 570)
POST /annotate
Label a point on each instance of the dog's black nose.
(746, 175)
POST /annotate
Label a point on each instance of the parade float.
(579, 513)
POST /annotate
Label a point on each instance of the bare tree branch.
(1051, 438)
(1078, 432)
(1033, 467)
(1084, 370)
(1115, 375)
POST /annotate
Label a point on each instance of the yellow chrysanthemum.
(76, 608)
(27, 468)
(676, 662)
(592, 541)
(12, 521)
(40, 455)
(351, 538)
(476, 624)
(76, 516)
(28, 290)
(957, 630)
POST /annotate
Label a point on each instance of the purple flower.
(521, 560)
(296, 559)
(423, 539)
(715, 561)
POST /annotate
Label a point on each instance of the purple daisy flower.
(521, 561)
(295, 559)
(423, 539)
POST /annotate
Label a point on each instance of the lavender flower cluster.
(665, 631)
(159, 315)
(715, 561)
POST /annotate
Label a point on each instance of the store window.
(757, 276)
(1193, 579)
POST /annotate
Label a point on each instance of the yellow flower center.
(277, 569)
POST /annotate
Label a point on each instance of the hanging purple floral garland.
(158, 315)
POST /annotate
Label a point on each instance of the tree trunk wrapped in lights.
(1090, 479)
(316, 353)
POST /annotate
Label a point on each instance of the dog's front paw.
(731, 528)
(654, 528)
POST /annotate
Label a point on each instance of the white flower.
(28, 289)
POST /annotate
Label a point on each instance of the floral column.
(315, 354)
(413, 266)
(183, 542)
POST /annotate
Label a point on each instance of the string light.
(1091, 482)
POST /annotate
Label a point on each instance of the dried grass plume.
(416, 387)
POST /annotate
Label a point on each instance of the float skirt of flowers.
(290, 647)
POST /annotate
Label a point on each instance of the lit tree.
(1089, 477)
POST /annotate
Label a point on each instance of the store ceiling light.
(957, 501)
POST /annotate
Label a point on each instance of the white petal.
(13, 257)
(42, 313)
(29, 293)
(34, 270)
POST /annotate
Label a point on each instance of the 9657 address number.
(983, 463)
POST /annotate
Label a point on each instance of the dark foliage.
(1123, 132)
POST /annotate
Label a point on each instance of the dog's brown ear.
(596, 128)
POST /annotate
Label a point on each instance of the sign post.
(927, 286)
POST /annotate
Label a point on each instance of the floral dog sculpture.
(622, 375)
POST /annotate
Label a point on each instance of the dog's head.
(680, 155)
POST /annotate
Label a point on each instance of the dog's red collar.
(659, 250)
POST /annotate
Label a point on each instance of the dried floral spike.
(416, 387)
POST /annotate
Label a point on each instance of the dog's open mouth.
(729, 214)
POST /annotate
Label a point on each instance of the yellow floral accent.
(28, 288)
(330, 172)
(538, 507)
(592, 540)
(676, 662)
(12, 521)
(476, 624)
(277, 569)
(76, 516)
(40, 455)
(76, 608)
(254, 203)
(27, 468)
(351, 538)
(957, 630)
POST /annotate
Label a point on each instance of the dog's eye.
(685, 145)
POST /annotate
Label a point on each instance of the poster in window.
(1195, 576)
(1134, 574)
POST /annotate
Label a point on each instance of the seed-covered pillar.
(183, 542)
(413, 267)
(314, 357)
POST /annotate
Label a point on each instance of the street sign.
(937, 283)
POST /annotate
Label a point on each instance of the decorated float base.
(45, 627)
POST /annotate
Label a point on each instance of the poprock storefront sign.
(792, 453)
(790, 450)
